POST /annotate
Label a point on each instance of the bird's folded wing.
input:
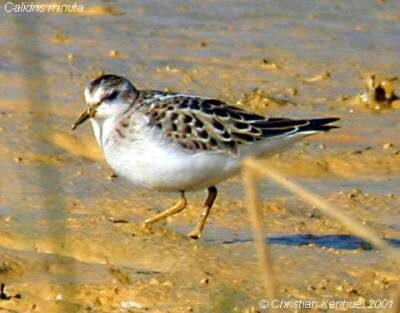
(207, 124)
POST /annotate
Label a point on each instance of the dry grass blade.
(49, 182)
(262, 248)
(353, 226)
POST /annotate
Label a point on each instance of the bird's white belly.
(147, 159)
(168, 167)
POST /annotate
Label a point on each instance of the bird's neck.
(102, 129)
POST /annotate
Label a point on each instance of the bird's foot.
(194, 234)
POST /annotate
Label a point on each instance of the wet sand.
(59, 249)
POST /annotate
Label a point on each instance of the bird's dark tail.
(319, 124)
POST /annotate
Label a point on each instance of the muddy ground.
(70, 239)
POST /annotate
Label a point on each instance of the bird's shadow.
(337, 241)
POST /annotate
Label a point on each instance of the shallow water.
(60, 251)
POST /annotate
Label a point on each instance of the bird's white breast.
(148, 159)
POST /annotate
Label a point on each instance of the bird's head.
(107, 96)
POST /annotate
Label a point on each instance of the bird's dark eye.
(112, 96)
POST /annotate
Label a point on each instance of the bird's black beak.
(89, 113)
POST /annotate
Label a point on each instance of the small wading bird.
(178, 142)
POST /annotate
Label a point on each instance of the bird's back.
(204, 124)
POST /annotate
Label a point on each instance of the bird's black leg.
(212, 194)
